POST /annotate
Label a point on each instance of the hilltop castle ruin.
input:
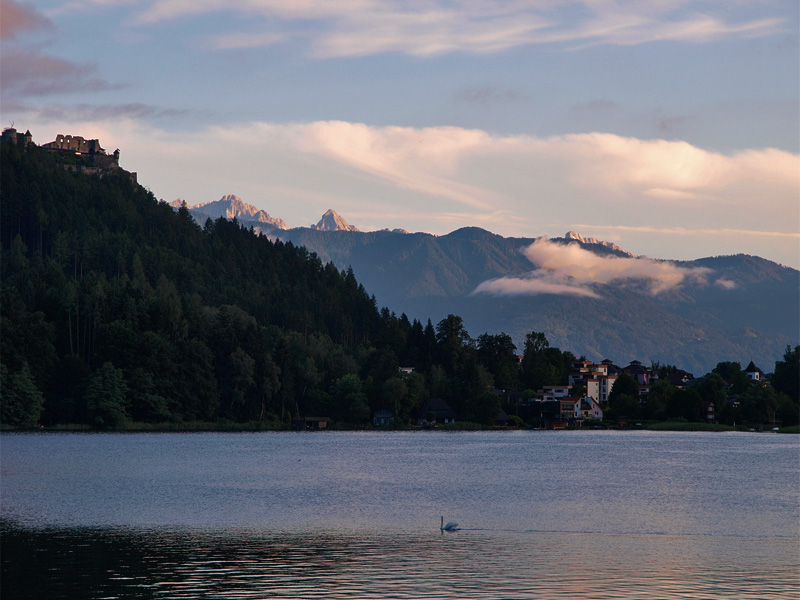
(77, 153)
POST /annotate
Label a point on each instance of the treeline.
(117, 309)
(737, 400)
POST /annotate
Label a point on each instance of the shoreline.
(255, 427)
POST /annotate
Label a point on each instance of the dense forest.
(118, 310)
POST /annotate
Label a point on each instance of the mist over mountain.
(587, 295)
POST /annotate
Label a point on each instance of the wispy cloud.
(533, 285)
(21, 17)
(725, 284)
(26, 71)
(423, 160)
(102, 112)
(31, 73)
(433, 27)
(670, 124)
(489, 95)
(687, 232)
(571, 270)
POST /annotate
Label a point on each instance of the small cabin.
(436, 412)
(382, 418)
(311, 423)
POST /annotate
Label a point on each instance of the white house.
(588, 408)
(551, 393)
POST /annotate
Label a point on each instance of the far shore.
(256, 426)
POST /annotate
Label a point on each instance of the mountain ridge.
(735, 306)
(691, 325)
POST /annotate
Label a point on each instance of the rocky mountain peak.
(230, 207)
(571, 236)
(332, 221)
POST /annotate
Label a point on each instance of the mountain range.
(231, 207)
(588, 296)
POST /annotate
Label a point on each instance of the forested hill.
(114, 308)
(117, 311)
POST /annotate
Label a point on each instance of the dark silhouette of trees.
(786, 378)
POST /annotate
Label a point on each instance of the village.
(583, 401)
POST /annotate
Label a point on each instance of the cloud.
(90, 112)
(640, 26)
(571, 270)
(434, 27)
(725, 284)
(674, 169)
(20, 17)
(488, 95)
(532, 285)
(595, 106)
(663, 180)
(439, 30)
(30, 73)
(26, 72)
(663, 198)
(423, 160)
(687, 231)
(670, 124)
(575, 263)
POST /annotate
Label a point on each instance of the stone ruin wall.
(75, 143)
(102, 163)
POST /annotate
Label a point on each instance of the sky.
(669, 127)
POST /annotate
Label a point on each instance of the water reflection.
(168, 563)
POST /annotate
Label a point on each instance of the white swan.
(451, 526)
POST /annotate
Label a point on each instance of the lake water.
(550, 515)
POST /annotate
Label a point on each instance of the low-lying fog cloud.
(571, 270)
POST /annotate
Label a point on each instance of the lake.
(550, 515)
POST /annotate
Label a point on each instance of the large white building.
(598, 378)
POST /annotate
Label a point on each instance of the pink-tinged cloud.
(533, 285)
(25, 73)
(725, 284)
(18, 17)
(434, 27)
(422, 160)
(578, 264)
(570, 269)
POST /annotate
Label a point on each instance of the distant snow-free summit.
(332, 221)
(574, 236)
(230, 207)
